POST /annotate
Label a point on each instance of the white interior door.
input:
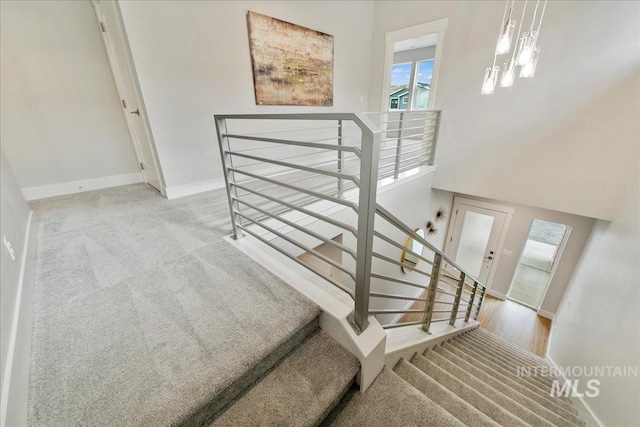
(117, 48)
(474, 239)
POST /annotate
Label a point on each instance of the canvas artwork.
(292, 65)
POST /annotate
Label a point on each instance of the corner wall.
(16, 285)
(193, 61)
(598, 322)
(565, 140)
(62, 121)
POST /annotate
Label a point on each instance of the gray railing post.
(431, 293)
(482, 291)
(368, 185)
(471, 298)
(396, 169)
(456, 301)
(340, 162)
(229, 178)
(436, 131)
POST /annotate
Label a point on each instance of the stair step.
(499, 381)
(501, 342)
(456, 406)
(479, 401)
(391, 401)
(482, 355)
(483, 359)
(511, 402)
(302, 390)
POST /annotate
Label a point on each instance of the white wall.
(14, 223)
(564, 140)
(61, 115)
(517, 237)
(598, 322)
(193, 61)
(414, 55)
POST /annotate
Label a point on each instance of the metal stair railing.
(294, 180)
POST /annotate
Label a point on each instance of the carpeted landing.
(471, 380)
(145, 316)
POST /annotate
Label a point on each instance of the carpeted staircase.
(470, 380)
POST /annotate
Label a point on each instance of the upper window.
(411, 84)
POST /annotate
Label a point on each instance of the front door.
(473, 241)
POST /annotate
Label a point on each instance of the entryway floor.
(516, 323)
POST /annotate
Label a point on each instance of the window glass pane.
(423, 84)
(399, 89)
(476, 230)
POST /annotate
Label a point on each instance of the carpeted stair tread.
(145, 315)
(538, 404)
(391, 401)
(505, 353)
(489, 358)
(514, 349)
(456, 406)
(479, 401)
(499, 355)
(559, 407)
(300, 391)
(484, 359)
(535, 416)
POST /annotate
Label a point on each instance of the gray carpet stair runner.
(470, 380)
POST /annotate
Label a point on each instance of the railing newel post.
(482, 291)
(456, 301)
(471, 298)
(340, 162)
(431, 293)
(368, 185)
(396, 170)
(229, 177)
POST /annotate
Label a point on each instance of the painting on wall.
(292, 65)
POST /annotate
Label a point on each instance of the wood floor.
(515, 323)
(512, 321)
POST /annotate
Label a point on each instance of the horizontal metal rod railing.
(276, 177)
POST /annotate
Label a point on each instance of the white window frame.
(434, 27)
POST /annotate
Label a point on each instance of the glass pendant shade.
(490, 79)
(526, 46)
(529, 69)
(504, 40)
(508, 75)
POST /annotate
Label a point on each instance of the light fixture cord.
(504, 16)
(544, 6)
(535, 12)
(524, 10)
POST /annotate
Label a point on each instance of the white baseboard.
(547, 314)
(6, 381)
(496, 294)
(182, 190)
(42, 192)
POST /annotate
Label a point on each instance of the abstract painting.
(292, 65)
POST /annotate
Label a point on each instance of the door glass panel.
(538, 257)
(476, 230)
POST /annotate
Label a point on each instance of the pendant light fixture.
(526, 51)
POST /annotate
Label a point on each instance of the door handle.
(488, 257)
(135, 112)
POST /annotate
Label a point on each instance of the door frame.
(130, 69)
(563, 244)
(508, 210)
(434, 27)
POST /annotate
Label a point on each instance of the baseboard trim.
(546, 314)
(19, 314)
(496, 294)
(182, 190)
(63, 188)
(579, 399)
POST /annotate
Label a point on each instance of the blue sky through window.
(401, 73)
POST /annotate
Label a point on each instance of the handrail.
(278, 192)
